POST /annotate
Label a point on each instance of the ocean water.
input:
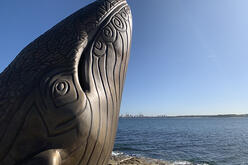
(210, 141)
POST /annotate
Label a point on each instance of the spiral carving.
(99, 49)
(124, 15)
(109, 33)
(119, 23)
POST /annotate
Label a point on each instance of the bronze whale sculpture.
(60, 97)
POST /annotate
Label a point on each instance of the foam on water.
(187, 163)
(182, 163)
(117, 153)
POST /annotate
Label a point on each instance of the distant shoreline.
(185, 116)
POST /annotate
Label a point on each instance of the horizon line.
(213, 115)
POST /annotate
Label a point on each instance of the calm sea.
(220, 141)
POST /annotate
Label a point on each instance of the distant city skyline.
(187, 58)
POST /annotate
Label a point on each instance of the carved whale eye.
(61, 88)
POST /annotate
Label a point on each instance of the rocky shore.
(128, 160)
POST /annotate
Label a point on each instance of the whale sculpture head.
(61, 95)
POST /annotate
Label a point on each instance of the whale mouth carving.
(83, 74)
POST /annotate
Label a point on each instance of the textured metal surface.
(60, 97)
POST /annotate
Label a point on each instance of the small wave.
(182, 163)
(187, 163)
(117, 153)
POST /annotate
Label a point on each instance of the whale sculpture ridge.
(60, 97)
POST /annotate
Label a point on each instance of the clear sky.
(188, 56)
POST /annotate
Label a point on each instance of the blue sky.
(188, 57)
